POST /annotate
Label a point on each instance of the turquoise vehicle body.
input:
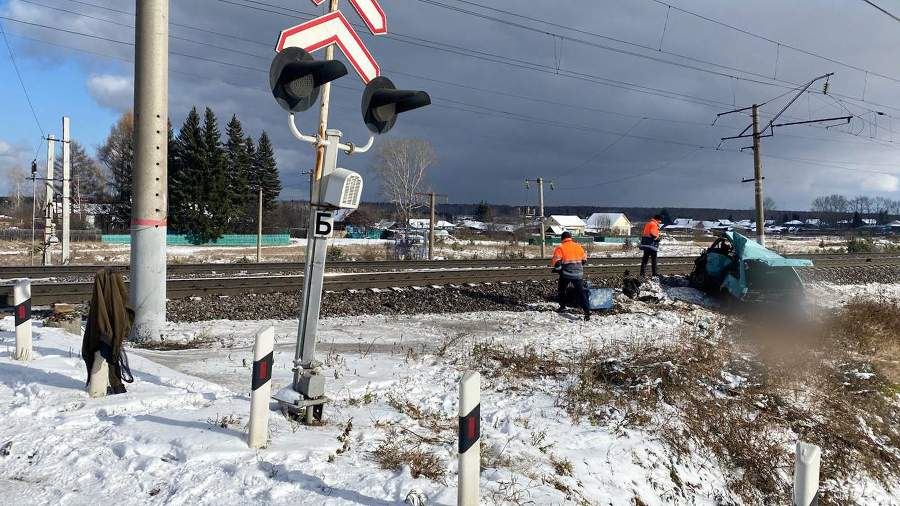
(744, 269)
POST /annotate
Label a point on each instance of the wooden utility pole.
(769, 131)
(432, 196)
(757, 181)
(540, 184)
(259, 227)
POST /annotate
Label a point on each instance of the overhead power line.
(775, 81)
(459, 105)
(883, 11)
(12, 58)
(776, 42)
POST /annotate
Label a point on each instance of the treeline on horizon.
(827, 208)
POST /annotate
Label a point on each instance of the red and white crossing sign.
(371, 12)
(333, 28)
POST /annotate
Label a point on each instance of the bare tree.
(769, 204)
(401, 165)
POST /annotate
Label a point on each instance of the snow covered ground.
(179, 435)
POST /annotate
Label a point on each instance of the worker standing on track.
(568, 260)
(650, 243)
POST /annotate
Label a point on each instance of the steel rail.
(80, 292)
(60, 271)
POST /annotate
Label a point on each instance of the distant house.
(615, 223)
(894, 226)
(794, 223)
(813, 222)
(558, 223)
(870, 221)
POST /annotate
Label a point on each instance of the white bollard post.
(22, 301)
(261, 387)
(98, 381)
(806, 474)
(469, 439)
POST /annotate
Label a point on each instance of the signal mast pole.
(307, 380)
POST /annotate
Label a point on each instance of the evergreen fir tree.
(267, 172)
(185, 186)
(237, 168)
(212, 203)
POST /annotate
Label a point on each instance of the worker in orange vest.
(650, 243)
(568, 260)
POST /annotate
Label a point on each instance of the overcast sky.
(584, 93)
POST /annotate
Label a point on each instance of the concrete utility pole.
(66, 192)
(259, 228)
(758, 134)
(148, 214)
(432, 196)
(540, 184)
(757, 181)
(48, 199)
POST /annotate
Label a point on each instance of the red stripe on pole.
(148, 222)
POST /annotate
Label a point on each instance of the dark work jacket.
(108, 325)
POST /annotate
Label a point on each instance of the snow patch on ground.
(164, 440)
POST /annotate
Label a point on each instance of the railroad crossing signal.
(295, 78)
(382, 102)
(333, 28)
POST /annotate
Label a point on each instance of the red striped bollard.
(22, 300)
(261, 387)
(469, 437)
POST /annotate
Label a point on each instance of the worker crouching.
(568, 260)
(650, 244)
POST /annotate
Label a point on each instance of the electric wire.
(12, 59)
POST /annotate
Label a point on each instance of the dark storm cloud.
(486, 155)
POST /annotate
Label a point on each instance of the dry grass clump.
(496, 360)
(399, 449)
(745, 401)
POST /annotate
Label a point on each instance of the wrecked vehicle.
(739, 267)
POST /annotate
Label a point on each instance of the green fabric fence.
(225, 240)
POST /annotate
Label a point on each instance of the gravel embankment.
(483, 297)
(448, 299)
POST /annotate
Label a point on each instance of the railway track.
(487, 272)
(180, 270)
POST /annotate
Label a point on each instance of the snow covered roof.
(814, 222)
(870, 221)
(424, 223)
(894, 224)
(385, 224)
(556, 229)
(600, 220)
(474, 225)
(794, 223)
(567, 220)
